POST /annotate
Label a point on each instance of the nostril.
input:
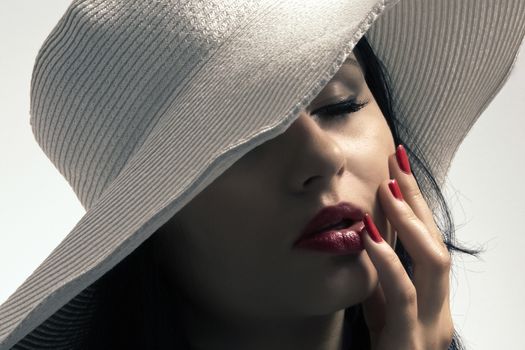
(307, 182)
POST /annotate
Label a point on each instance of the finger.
(374, 310)
(431, 261)
(415, 235)
(399, 167)
(398, 289)
(374, 314)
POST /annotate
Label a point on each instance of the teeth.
(342, 224)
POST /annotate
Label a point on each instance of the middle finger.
(399, 168)
(414, 233)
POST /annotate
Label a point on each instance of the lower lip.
(337, 241)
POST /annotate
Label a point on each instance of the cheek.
(368, 143)
(212, 223)
(376, 129)
(217, 232)
(222, 261)
(382, 138)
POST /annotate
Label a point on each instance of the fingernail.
(394, 188)
(371, 228)
(402, 159)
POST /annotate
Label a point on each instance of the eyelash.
(344, 107)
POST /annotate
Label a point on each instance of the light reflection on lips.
(335, 241)
(331, 216)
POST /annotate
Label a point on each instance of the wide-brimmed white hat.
(142, 104)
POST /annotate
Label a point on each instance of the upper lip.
(331, 216)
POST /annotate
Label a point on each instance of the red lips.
(331, 216)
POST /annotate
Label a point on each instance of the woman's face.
(230, 249)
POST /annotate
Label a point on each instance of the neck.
(204, 331)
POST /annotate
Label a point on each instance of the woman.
(244, 280)
(197, 252)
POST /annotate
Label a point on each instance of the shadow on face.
(230, 250)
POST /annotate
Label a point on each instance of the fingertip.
(367, 240)
(371, 229)
(370, 246)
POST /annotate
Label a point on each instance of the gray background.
(485, 190)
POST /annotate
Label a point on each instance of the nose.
(317, 158)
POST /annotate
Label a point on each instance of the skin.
(229, 251)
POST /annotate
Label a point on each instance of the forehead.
(350, 61)
(350, 71)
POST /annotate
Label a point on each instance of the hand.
(401, 313)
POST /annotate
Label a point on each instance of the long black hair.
(135, 308)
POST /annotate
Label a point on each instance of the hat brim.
(447, 60)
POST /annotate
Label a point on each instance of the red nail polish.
(402, 159)
(394, 188)
(372, 229)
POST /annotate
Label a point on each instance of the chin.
(343, 293)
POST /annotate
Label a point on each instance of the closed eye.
(350, 105)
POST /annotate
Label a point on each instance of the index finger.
(411, 191)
